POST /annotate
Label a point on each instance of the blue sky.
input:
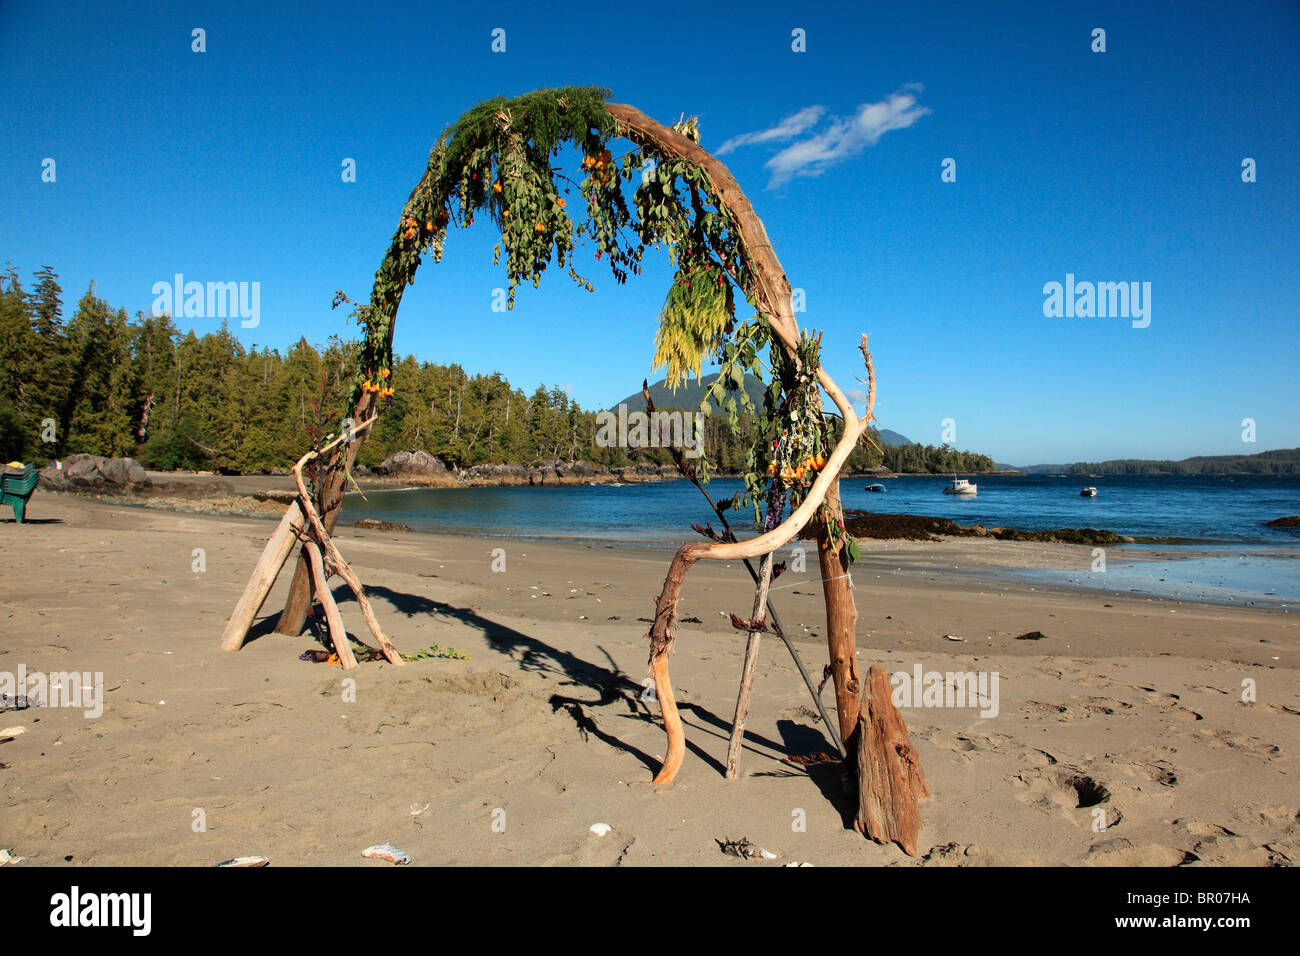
(1115, 166)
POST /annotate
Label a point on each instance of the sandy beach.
(1128, 709)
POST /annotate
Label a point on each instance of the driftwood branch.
(322, 538)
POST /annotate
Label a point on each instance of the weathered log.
(890, 780)
(334, 620)
(263, 577)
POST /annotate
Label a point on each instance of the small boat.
(877, 488)
(960, 486)
(1089, 492)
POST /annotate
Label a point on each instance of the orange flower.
(539, 228)
(561, 203)
(384, 373)
(496, 187)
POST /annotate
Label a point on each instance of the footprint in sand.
(955, 854)
(977, 742)
(1218, 846)
(1275, 708)
(1121, 852)
(1227, 740)
(1160, 772)
(1273, 816)
(1063, 790)
(1168, 705)
(1102, 706)
(1203, 828)
(1040, 709)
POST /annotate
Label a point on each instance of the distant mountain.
(893, 438)
(688, 397)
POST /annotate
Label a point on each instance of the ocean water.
(1217, 521)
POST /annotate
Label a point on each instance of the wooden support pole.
(742, 705)
(747, 673)
(341, 566)
(841, 625)
(338, 633)
(261, 581)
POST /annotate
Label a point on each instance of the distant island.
(1284, 461)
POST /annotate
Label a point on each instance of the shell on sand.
(600, 829)
(386, 851)
(246, 861)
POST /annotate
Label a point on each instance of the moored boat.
(876, 488)
(960, 486)
(1089, 492)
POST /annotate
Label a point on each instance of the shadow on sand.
(611, 688)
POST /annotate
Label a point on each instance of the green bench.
(16, 488)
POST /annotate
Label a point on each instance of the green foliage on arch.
(497, 161)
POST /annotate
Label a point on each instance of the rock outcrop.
(411, 464)
(94, 473)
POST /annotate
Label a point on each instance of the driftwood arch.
(513, 140)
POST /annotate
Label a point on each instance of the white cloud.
(844, 137)
(792, 125)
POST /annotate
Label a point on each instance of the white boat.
(1089, 492)
(960, 486)
(877, 488)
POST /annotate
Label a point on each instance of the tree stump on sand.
(890, 780)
